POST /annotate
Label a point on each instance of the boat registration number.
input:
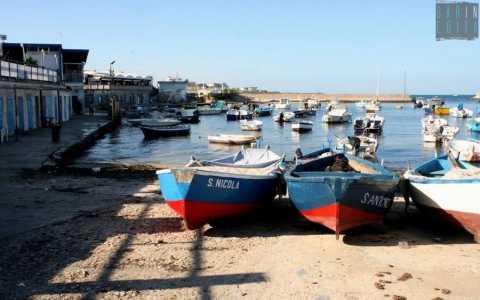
(223, 183)
(375, 200)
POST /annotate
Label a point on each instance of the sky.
(304, 46)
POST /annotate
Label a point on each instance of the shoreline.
(294, 97)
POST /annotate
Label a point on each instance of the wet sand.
(137, 248)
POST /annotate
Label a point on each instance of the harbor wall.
(276, 96)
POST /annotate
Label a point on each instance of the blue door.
(21, 114)
(11, 115)
(30, 112)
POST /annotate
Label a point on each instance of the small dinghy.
(465, 150)
(202, 194)
(232, 139)
(437, 130)
(245, 158)
(151, 132)
(251, 125)
(447, 188)
(340, 191)
(302, 126)
(286, 116)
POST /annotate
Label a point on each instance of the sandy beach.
(137, 248)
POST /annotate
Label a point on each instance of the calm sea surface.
(400, 144)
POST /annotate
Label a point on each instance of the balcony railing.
(23, 72)
(76, 77)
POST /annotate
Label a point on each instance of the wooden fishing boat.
(232, 139)
(370, 124)
(202, 194)
(251, 125)
(151, 132)
(160, 122)
(447, 188)
(361, 146)
(340, 191)
(465, 150)
(302, 126)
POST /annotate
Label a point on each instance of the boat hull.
(442, 111)
(455, 201)
(238, 117)
(202, 197)
(341, 204)
(151, 133)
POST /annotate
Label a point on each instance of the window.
(449, 27)
(458, 10)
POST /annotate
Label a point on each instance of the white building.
(174, 87)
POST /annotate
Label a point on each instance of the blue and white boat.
(340, 191)
(239, 114)
(263, 111)
(448, 189)
(203, 191)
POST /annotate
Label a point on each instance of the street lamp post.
(111, 68)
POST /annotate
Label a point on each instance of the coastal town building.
(477, 96)
(36, 85)
(174, 88)
(205, 89)
(130, 90)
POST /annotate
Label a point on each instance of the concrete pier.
(273, 96)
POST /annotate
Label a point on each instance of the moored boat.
(286, 116)
(284, 104)
(190, 116)
(263, 111)
(160, 122)
(151, 132)
(302, 126)
(251, 125)
(239, 114)
(461, 112)
(447, 188)
(203, 194)
(232, 139)
(362, 146)
(337, 115)
(340, 191)
(370, 124)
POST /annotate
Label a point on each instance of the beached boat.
(370, 124)
(245, 158)
(340, 191)
(232, 139)
(239, 114)
(465, 150)
(190, 116)
(337, 115)
(474, 125)
(151, 132)
(264, 111)
(251, 125)
(286, 116)
(284, 104)
(203, 194)
(302, 126)
(447, 188)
